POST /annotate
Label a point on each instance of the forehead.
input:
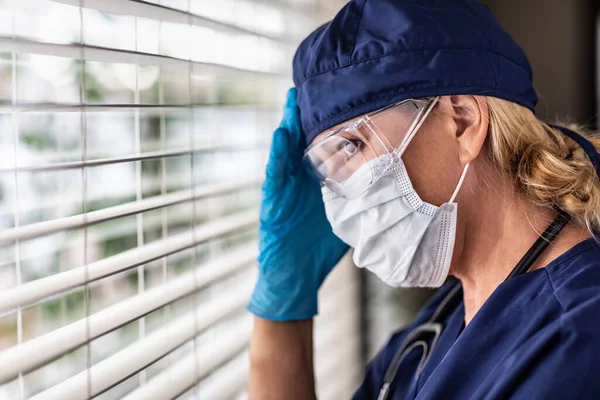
(333, 129)
(383, 119)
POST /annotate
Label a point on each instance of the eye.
(350, 147)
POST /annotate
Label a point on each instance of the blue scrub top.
(536, 337)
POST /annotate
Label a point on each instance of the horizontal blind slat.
(122, 210)
(133, 157)
(146, 351)
(159, 12)
(37, 351)
(333, 358)
(295, 6)
(44, 287)
(148, 108)
(105, 54)
(337, 327)
(331, 383)
(181, 376)
(348, 291)
(228, 381)
(118, 231)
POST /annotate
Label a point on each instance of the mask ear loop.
(460, 182)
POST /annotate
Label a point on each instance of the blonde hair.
(549, 167)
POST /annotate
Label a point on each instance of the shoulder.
(563, 353)
(575, 281)
(556, 344)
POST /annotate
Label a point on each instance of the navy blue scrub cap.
(378, 52)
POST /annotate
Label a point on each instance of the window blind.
(133, 141)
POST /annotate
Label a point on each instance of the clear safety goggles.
(354, 156)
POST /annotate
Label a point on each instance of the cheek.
(433, 165)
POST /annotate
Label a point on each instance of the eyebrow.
(325, 133)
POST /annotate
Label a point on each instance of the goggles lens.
(353, 157)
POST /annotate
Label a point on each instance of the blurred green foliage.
(37, 140)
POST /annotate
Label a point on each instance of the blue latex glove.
(297, 247)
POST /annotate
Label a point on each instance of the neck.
(496, 237)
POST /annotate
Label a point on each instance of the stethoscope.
(432, 329)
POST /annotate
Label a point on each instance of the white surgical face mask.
(403, 240)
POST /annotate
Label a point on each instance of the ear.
(472, 120)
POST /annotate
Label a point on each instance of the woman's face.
(432, 157)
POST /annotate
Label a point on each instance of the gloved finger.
(297, 140)
(278, 159)
(297, 147)
(291, 102)
(291, 119)
(292, 97)
(290, 108)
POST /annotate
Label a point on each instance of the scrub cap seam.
(487, 39)
(362, 9)
(383, 97)
(411, 51)
(492, 69)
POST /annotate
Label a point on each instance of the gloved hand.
(297, 248)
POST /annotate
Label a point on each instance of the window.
(133, 139)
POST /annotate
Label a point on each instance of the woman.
(420, 120)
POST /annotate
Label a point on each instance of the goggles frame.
(423, 109)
